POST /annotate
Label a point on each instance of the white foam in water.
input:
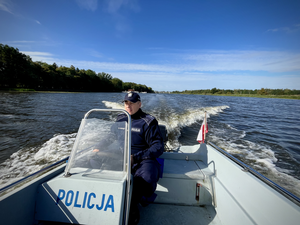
(174, 121)
(262, 156)
(259, 157)
(113, 105)
(28, 161)
(56, 148)
(173, 113)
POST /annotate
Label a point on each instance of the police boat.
(199, 184)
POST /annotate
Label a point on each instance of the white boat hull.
(228, 194)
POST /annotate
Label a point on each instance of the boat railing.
(33, 175)
(269, 182)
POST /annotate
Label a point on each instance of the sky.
(168, 45)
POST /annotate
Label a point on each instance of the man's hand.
(96, 150)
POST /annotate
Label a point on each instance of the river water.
(37, 129)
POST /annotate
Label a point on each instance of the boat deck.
(175, 202)
(177, 214)
(164, 214)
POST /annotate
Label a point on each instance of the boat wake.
(173, 120)
(29, 160)
(260, 157)
(182, 122)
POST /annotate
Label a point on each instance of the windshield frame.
(127, 153)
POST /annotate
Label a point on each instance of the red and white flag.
(203, 130)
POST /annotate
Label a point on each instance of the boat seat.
(183, 169)
(182, 180)
(164, 132)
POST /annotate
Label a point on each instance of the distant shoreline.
(49, 91)
(295, 97)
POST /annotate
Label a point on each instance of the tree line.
(17, 70)
(262, 91)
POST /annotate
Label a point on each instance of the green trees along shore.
(262, 91)
(17, 70)
(258, 93)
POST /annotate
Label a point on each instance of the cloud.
(202, 70)
(201, 62)
(94, 53)
(271, 61)
(113, 6)
(291, 29)
(6, 6)
(37, 53)
(41, 56)
(88, 4)
(180, 82)
(20, 44)
(29, 45)
(118, 9)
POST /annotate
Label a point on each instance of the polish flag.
(203, 130)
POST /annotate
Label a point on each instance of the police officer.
(146, 146)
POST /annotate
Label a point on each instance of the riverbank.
(297, 97)
(17, 89)
(265, 96)
(42, 91)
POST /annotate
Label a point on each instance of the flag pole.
(204, 126)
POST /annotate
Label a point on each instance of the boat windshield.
(100, 146)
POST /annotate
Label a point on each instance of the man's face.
(131, 107)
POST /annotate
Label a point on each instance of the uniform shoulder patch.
(148, 118)
(121, 116)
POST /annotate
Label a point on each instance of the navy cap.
(132, 97)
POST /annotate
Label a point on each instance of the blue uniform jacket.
(146, 145)
(146, 138)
